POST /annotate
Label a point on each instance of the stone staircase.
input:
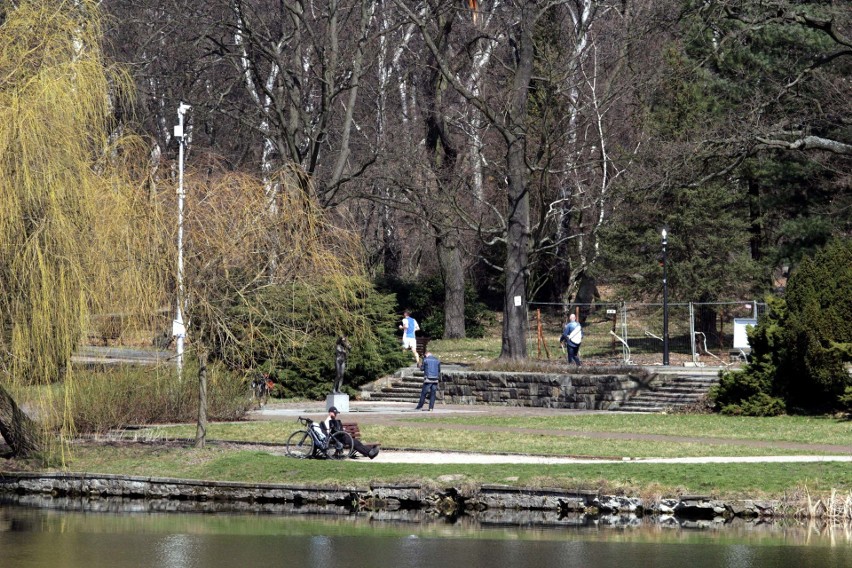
(403, 386)
(668, 389)
(671, 390)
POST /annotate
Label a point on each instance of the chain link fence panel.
(632, 332)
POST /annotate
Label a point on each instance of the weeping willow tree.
(239, 247)
(75, 237)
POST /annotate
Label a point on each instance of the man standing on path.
(432, 374)
(572, 335)
(409, 329)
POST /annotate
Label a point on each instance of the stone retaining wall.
(549, 390)
(184, 495)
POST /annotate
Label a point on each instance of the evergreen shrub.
(289, 332)
(802, 348)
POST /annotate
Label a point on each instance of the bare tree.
(540, 50)
(508, 115)
(300, 66)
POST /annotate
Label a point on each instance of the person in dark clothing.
(341, 351)
(431, 368)
(332, 424)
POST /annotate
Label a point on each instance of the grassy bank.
(262, 466)
(576, 435)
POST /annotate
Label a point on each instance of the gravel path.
(472, 458)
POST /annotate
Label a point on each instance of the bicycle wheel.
(339, 446)
(300, 445)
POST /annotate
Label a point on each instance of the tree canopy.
(76, 235)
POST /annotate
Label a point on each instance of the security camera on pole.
(178, 325)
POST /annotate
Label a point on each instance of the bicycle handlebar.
(305, 421)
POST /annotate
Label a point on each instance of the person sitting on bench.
(332, 424)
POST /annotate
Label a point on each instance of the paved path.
(391, 414)
(472, 458)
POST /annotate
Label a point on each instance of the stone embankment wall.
(549, 390)
(495, 500)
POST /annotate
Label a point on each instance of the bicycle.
(313, 442)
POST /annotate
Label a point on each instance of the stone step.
(679, 389)
(672, 395)
(688, 384)
(394, 397)
(400, 391)
(670, 392)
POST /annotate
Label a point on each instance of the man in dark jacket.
(431, 368)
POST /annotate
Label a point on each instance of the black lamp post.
(665, 303)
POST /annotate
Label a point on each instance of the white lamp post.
(665, 303)
(178, 326)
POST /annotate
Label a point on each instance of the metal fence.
(632, 332)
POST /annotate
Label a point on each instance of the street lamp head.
(664, 234)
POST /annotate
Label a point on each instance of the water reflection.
(68, 534)
(175, 550)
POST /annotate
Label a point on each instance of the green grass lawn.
(508, 436)
(227, 464)
(800, 429)
(393, 437)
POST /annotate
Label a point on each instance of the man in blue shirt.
(409, 328)
(432, 374)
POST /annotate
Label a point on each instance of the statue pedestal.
(339, 400)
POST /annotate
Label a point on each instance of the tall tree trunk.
(452, 273)
(201, 430)
(19, 431)
(391, 249)
(517, 242)
(518, 233)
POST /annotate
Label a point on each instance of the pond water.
(38, 538)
